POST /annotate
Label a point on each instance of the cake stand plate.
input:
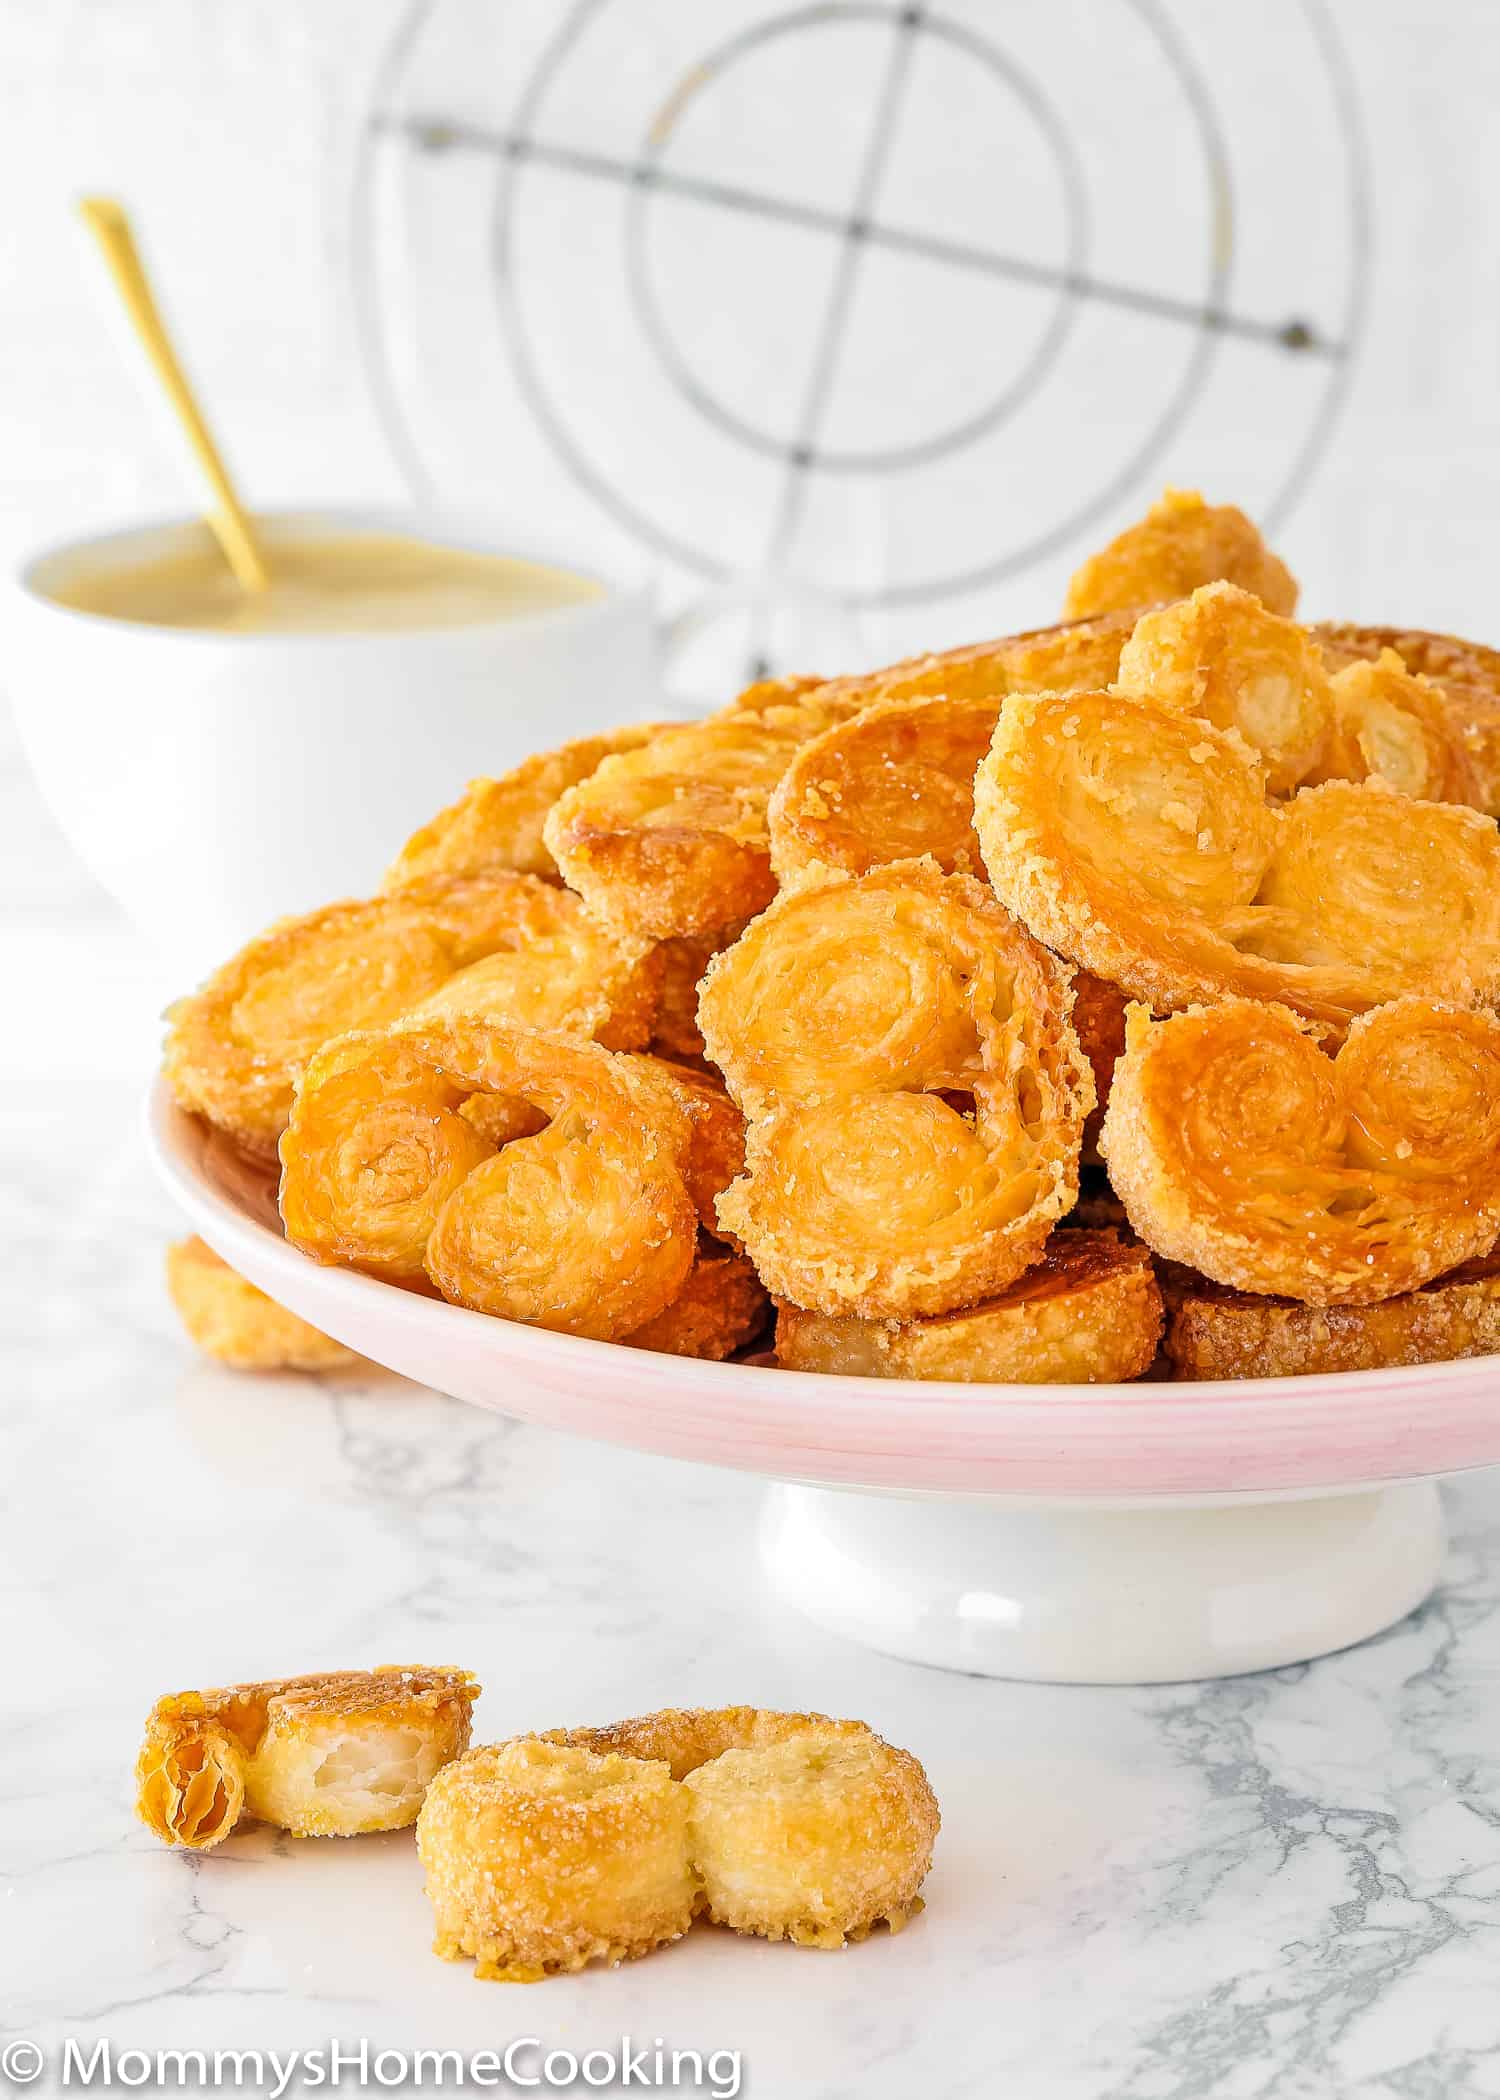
(1074, 1534)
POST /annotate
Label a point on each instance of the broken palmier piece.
(1219, 655)
(1139, 842)
(721, 1308)
(1216, 1332)
(1241, 1148)
(542, 1857)
(231, 1320)
(586, 1227)
(915, 1092)
(1391, 725)
(1181, 542)
(331, 1755)
(1466, 674)
(1087, 1313)
(497, 823)
(236, 1047)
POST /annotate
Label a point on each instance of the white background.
(231, 130)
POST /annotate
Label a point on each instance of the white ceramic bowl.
(213, 782)
(1100, 1533)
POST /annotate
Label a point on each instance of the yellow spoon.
(109, 223)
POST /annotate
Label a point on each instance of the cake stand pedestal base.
(1090, 1594)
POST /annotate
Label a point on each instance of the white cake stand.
(1073, 1534)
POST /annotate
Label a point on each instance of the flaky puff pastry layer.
(1140, 843)
(560, 971)
(915, 1092)
(680, 967)
(1054, 659)
(715, 1145)
(1221, 656)
(235, 1048)
(542, 1858)
(331, 1755)
(1241, 1148)
(230, 1319)
(721, 1308)
(1088, 1312)
(586, 1227)
(815, 1839)
(895, 783)
(1214, 1332)
(1467, 674)
(497, 823)
(1181, 542)
(684, 1737)
(670, 840)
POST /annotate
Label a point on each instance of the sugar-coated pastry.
(1391, 725)
(915, 1091)
(1467, 674)
(236, 1048)
(560, 971)
(497, 823)
(331, 1755)
(715, 1130)
(670, 840)
(894, 783)
(1098, 1018)
(1215, 1332)
(1241, 1148)
(586, 1227)
(680, 965)
(1220, 655)
(230, 1319)
(542, 1858)
(684, 1737)
(1055, 659)
(1088, 1312)
(721, 1308)
(1181, 542)
(815, 1839)
(1140, 843)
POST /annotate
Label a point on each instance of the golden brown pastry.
(558, 971)
(498, 823)
(894, 783)
(915, 1090)
(236, 1047)
(542, 1858)
(332, 1755)
(721, 1308)
(684, 1737)
(1241, 1148)
(1220, 655)
(1466, 673)
(1393, 726)
(715, 1130)
(1181, 542)
(1139, 843)
(815, 1839)
(587, 1227)
(670, 840)
(680, 967)
(230, 1319)
(1098, 1019)
(1088, 1312)
(1214, 1332)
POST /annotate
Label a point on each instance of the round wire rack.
(859, 305)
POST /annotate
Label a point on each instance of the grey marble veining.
(1281, 1887)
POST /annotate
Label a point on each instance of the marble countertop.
(1285, 1885)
